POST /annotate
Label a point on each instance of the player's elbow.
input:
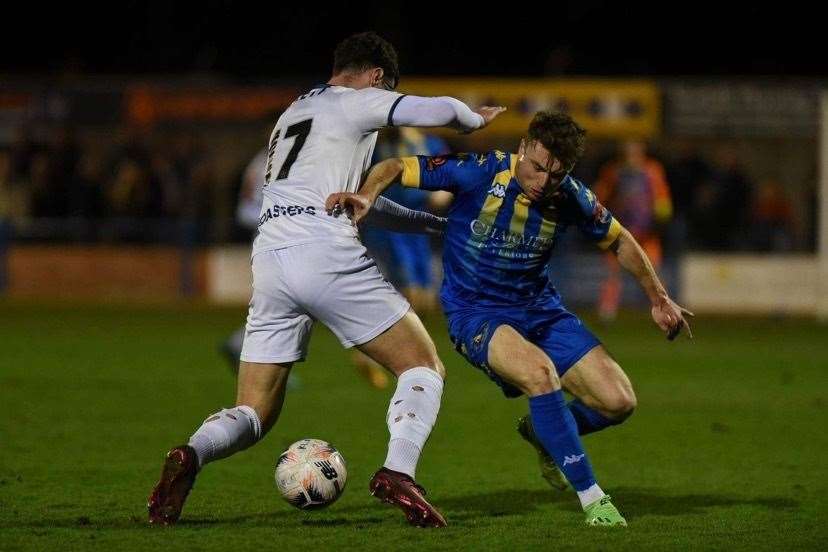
(447, 110)
(458, 115)
(624, 245)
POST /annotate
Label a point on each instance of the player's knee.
(428, 358)
(432, 360)
(538, 378)
(423, 355)
(436, 364)
(620, 405)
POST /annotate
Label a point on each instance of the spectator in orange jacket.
(634, 188)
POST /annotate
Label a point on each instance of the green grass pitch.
(727, 449)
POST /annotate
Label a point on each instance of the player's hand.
(489, 113)
(356, 206)
(670, 317)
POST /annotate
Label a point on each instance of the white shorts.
(335, 282)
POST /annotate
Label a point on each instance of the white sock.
(590, 495)
(225, 433)
(411, 415)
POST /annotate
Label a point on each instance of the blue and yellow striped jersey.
(498, 242)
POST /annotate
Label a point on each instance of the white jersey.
(322, 144)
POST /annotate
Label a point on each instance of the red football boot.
(177, 478)
(399, 489)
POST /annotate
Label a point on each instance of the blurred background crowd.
(56, 184)
(156, 140)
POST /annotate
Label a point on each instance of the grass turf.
(725, 451)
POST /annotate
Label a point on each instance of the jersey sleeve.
(370, 108)
(451, 173)
(583, 209)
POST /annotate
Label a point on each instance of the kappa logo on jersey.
(285, 211)
(498, 190)
(573, 459)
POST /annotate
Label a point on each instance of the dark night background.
(268, 41)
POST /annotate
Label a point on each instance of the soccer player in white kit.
(385, 214)
(308, 266)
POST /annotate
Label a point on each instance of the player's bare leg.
(262, 387)
(604, 394)
(604, 397)
(259, 399)
(404, 345)
(231, 349)
(407, 351)
(524, 365)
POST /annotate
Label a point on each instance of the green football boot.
(602, 513)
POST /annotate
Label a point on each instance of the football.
(311, 474)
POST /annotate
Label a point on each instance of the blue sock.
(557, 431)
(589, 420)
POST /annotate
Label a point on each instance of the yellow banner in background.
(607, 108)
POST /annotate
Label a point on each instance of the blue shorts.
(558, 332)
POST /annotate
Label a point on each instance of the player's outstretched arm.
(444, 111)
(389, 215)
(669, 316)
(381, 175)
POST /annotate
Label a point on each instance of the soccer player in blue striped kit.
(504, 315)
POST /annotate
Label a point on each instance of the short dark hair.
(560, 134)
(366, 50)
